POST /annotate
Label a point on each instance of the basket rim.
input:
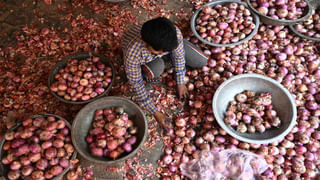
(294, 30)
(248, 37)
(3, 140)
(302, 35)
(287, 22)
(245, 139)
(62, 61)
(91, 158)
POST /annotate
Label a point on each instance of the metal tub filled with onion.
(254, 108)
(109, 130)
(81, 78)
(281, 12)
(38, 147)
(224, 23)
(310, 27)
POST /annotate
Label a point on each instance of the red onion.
(58, 143)
(96, 151)
(167, 159)
(132, 140)
(23, 149)
(127, 147)
(48, 175)
(50, 153)
(16, 143)
(15, 165)
(26, 170)
(46, 144)
(61, 152)
(56, 170)
(54, 161)
(42, 164)
(114, 154)
(35, 148)
(72, 175)
(34, 157)
(69, 148)
(12, 175)
(64, 163)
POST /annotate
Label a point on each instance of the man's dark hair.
(160, 33)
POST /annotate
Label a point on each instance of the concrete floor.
(14, 14)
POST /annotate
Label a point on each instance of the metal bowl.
(315, 6)
(314, 3)
(82, 124)
(293, 29)
(4, 169)
(79, 56)
(223, 2)
(282, 102)
(280, 22)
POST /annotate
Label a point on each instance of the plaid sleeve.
(133, 71)
(178, 59)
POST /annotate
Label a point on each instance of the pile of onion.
(251, 112)
(112, 133)
(40, 148)
(311, 26)
(281, 9)
(81, 80)
(224, 24)
(273, 52)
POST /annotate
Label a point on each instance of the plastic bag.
(226, 164)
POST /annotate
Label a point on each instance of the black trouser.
(193, 56)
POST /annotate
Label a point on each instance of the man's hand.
(163, 120)
(182, 91)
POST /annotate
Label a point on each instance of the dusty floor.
(15, 14)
